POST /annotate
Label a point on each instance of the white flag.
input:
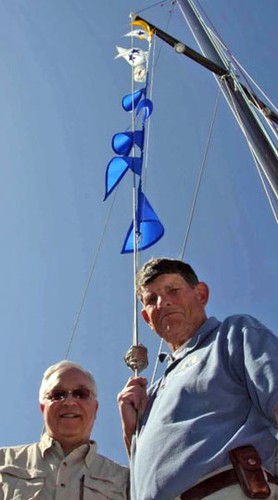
(134, 57)
(139, 33)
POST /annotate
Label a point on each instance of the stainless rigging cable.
(229, 58)
(193, 207)
(161, 4)
(200, 176)
(260, 168)
(234, 65)
(92, 268)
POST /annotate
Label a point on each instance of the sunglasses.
(61, 395)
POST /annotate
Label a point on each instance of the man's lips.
(167, 319)
(169, 313)
(69, 415)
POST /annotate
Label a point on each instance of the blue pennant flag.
(147, 106)
(130, 101)
(129, 148)
(123, 141)
(149, 227)
(117, 168)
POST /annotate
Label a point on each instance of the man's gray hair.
(58, 366)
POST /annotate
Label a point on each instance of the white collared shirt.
(42, 470)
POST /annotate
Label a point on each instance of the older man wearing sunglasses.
(64, 464)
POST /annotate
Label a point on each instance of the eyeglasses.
(61, 395)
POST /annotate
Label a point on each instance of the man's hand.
(132, 402)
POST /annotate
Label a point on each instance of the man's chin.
(171, 326)
(69, 431)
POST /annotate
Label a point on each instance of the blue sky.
(60, 103)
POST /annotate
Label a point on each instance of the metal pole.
(262, 146)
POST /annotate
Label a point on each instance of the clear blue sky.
(60, 104)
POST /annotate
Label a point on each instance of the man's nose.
(163, 300)
(69, 399)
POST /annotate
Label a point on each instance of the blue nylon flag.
(130, 101)
(147, 106)
(148, 224)
(117, 168)
(123, 141)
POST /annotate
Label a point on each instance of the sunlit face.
(173, 308)
(71, 420)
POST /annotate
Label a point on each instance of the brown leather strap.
(271, 479)
(248, 468)
(216, 483)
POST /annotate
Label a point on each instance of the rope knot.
(136, 358)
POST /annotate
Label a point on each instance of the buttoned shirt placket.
(69, 473)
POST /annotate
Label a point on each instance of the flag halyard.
(146, 228)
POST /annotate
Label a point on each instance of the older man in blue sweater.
(208, 427)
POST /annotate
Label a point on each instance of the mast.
(236, 94)
(261, 145)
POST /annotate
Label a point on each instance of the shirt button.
(65, 464)
(63, 485)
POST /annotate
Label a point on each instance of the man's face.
(71, 420)
(173, 308)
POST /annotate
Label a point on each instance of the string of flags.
(129, 145)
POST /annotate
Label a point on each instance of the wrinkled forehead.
(163, 282)
(68, 378)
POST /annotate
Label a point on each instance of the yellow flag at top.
(143, 25)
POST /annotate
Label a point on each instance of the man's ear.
(41, 407)
(145, 316)
(96, 408)
(202, 291)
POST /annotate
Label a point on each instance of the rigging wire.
(161, 3)
(193, 207)
(146, 162)
(258, 164)
(157, 361)
(200, 176)
(136, 254)
(134, 210)
(275, 213)
(155, 59)
(174, 3)
(232, 61)
(227, 64)
(229, 60)
(221, 46)
(241, 125)
(153, 66)
(256, 85)
(92, 268)
(93, 265)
